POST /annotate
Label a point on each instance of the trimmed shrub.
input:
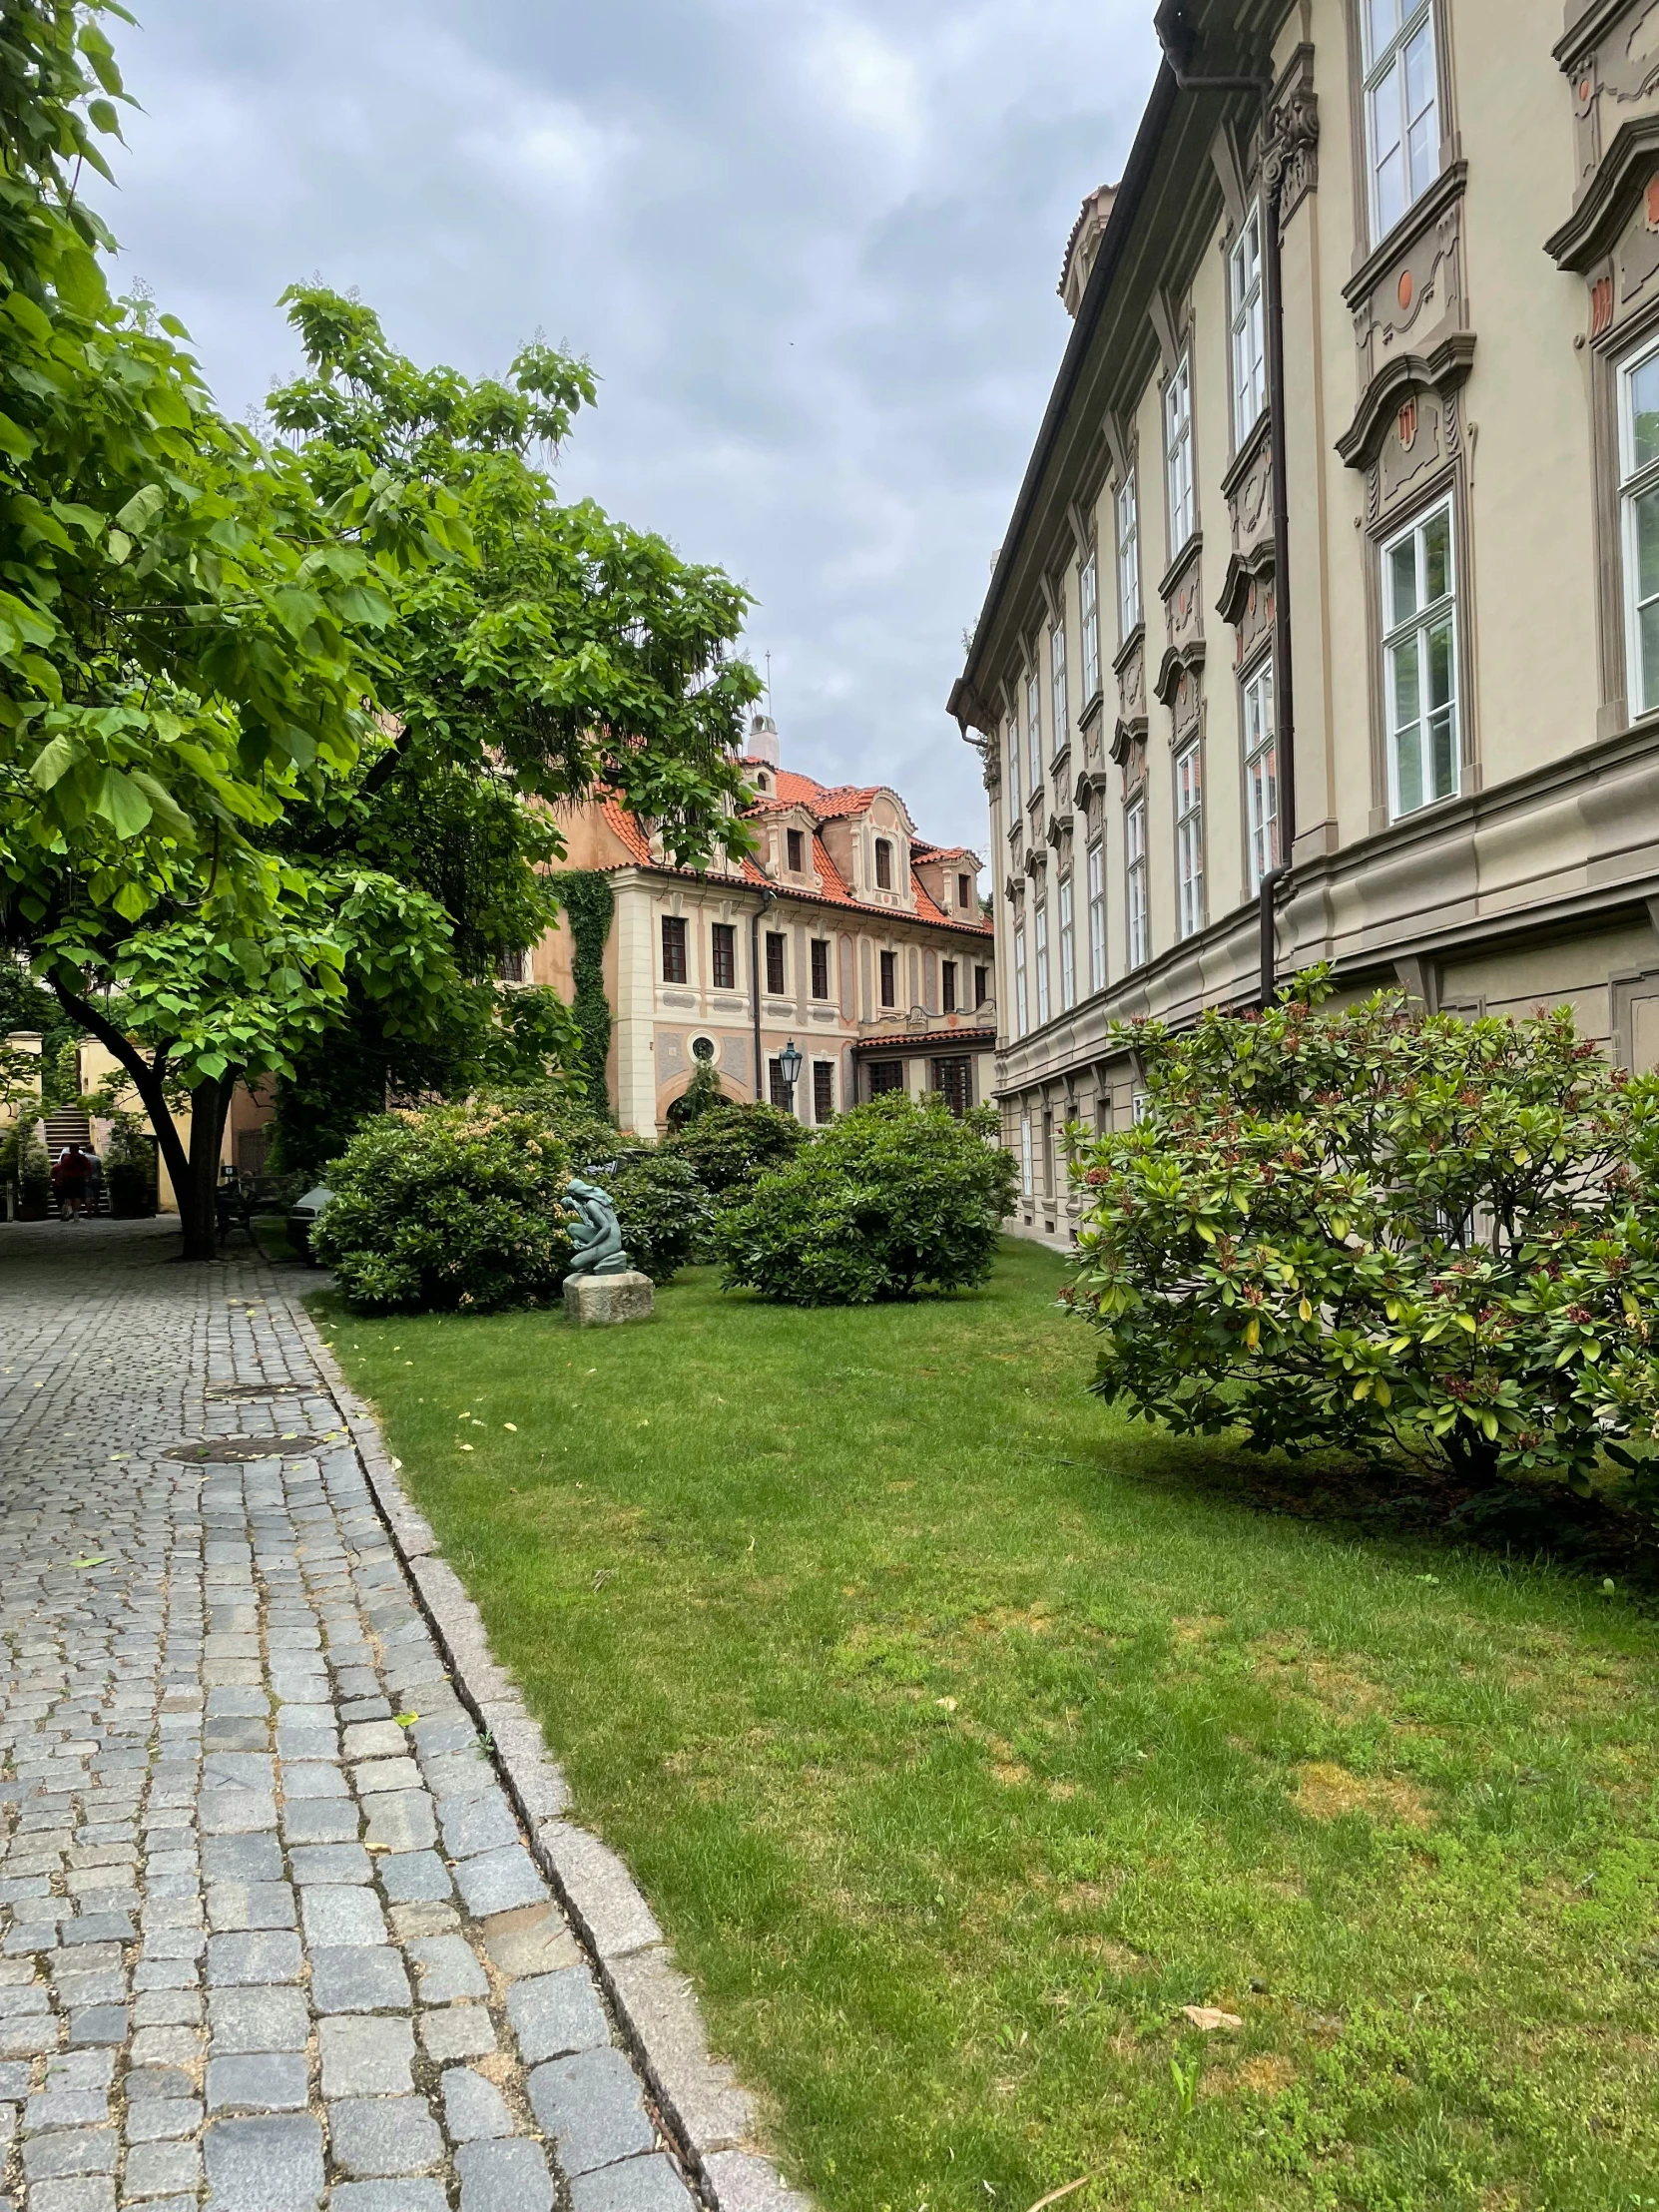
(25, 1166)
(728, 1146)
(1396, 1236)
(454, 1209)
(130, 1168)
(893, 1198)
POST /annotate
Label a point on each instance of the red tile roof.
(828, 804)
(902, 1041)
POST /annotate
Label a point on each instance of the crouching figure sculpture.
(602, 1285)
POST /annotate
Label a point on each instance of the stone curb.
(709, 2114)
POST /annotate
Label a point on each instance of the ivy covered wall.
(589, 906)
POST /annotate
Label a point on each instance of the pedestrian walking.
(95, 1183)
(69, 1182)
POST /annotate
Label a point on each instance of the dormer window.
(795, 843)
(764, 780)
(965, 892)
(884, 864)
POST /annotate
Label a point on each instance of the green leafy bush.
(25, 1166)
(130, 1168)
(1384, 1232)
(893, 1198)
(457, 1207)
(728, 1146)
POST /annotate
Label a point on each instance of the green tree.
(186, 644)
(572, 654)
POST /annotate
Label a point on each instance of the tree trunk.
(193, 1173)
(210, 1102)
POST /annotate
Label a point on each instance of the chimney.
(763, 741)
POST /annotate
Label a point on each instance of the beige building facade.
(846, 935)
(1468, 219)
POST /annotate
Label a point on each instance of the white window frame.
(1027, 1179)
(1637, 484)
(1039, 959)
(1013, 767)
(1261, 772)
(1097, 915)
(1057, 703)
(1022, 997)
(1178, 454)
(1034, 730)
(1139, 918)
(1413, 631)
(1129, 557)
(1248, 347)
(1088, 616)
(1385, 94)
(1189, 840)
(1068, 947)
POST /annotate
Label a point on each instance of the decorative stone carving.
(1612, 58)
(1182, 592)
(1291, 160)
(1131, 674)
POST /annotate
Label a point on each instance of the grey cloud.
(810, 246)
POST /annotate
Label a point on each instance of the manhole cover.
(225, 1450)
(252, 1392)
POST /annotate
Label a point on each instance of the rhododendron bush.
(1368, 1229)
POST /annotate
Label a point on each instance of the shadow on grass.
(1532, 1525)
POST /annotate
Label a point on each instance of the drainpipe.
(768, 900)
(1177, 37)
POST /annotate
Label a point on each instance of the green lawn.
(961, 1733)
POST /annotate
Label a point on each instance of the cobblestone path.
(270, 1935)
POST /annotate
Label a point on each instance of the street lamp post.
(788, 1067)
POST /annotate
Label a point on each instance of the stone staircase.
(67, 1125)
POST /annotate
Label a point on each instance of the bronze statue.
(594, 1234)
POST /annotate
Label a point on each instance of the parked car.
(303, 1218)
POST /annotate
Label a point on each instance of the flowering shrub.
(456, 1208)
(1385, 1233)
(892, 1198)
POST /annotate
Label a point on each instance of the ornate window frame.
(1368, 238)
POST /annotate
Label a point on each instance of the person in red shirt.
(69, 1182)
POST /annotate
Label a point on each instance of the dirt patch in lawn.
(1325, 1792)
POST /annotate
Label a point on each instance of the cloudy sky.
(809, 247)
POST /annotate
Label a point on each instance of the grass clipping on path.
(964, 1734)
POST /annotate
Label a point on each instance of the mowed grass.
(961, 1733)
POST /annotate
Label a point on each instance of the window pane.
(1436, 556)
(1387, 155)
(1403, 574)
(1408, 689)
(1409, 769)
(1382, 21)
(1647, 545)
(1420, 75)
(1644, 410)
(1443, 746)
(1441, 675)
(1649, 641)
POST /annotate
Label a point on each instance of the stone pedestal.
(595, 1301)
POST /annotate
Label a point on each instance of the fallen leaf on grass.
(512, 1425)
(1209, 2017)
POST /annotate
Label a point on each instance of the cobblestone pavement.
(270, 1934)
